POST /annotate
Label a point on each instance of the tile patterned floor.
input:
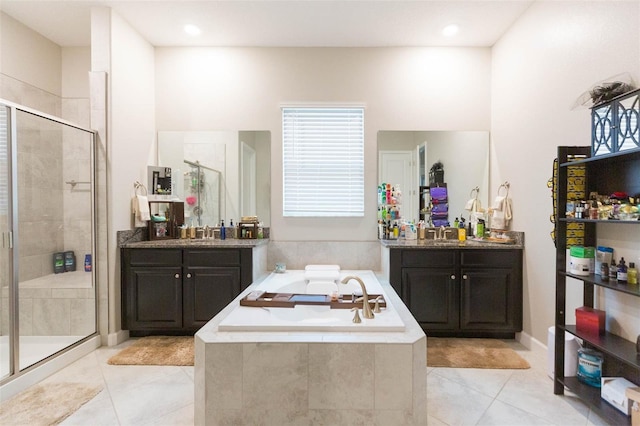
(141, 395)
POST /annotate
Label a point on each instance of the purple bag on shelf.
(438, 193)
(440, 208)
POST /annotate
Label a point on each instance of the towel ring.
(505, 185)
(138, 186)
(476, 190)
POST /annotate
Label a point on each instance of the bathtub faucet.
(366, 308)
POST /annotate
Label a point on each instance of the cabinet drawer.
(154, 257)
(494, 257)
(428, 258)
(212, 257)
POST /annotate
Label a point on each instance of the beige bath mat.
(46, 404)
(472, 353)
(157, 350)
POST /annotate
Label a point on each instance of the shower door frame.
(13, 237)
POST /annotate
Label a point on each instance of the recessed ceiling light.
(450, 30)
(192, 30)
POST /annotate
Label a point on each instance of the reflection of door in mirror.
(421, 152)
(465, 155)
(395, 168)
(247, 180)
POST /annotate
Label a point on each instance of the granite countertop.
(516, 237)
(207, 243)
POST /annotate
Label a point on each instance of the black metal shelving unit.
(604, 174)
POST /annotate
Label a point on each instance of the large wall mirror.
(405, 158)
(220, 175)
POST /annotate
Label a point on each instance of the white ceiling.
(305, 23)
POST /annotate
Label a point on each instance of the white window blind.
(323, 162)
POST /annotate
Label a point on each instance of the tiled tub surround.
(55, 305)
(286, 377)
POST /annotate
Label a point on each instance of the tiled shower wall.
(348, 254)
(54, 217)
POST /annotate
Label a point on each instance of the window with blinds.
(323, 162)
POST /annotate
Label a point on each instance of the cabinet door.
(154, 298)
(207, 290)
(432, 296)
(489, 300)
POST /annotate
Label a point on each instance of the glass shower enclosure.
(202, 194)
(47, 215)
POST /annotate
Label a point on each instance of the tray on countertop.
(290, 300)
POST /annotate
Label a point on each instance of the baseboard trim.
(531, 343)
(118, 337)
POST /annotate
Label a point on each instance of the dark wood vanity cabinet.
(461, 292)
(177, 291)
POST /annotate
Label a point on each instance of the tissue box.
(589, 320)
(633, 395)
(613, 391)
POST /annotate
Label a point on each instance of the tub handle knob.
(376, 307)
(356, 317)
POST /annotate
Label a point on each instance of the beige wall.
(555, 52)
(29, 57)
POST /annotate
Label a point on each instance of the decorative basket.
(615, 125)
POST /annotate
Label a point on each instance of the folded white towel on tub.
(321, 287)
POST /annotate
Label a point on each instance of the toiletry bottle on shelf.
(632, 274)
(604, 271)
(223, 232)
(622, 271)
(456, 223)
(613, 270)
(462, 231)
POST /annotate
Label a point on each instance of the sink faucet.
(442, 232)
(366, 308)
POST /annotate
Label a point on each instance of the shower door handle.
(7, 240)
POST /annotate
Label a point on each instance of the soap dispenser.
(223, 233)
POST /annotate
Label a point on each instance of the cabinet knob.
(465, 277)
(453, 277)
(177, 275)
(188, 275)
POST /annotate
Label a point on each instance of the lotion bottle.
(632, 274)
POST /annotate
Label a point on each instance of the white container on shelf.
(571, 346)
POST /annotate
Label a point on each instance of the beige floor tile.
(453, 403)
(501, 414)
(145, 395)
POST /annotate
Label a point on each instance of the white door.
(397, 168)
(248, 181)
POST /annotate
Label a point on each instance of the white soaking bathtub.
(312, 317)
